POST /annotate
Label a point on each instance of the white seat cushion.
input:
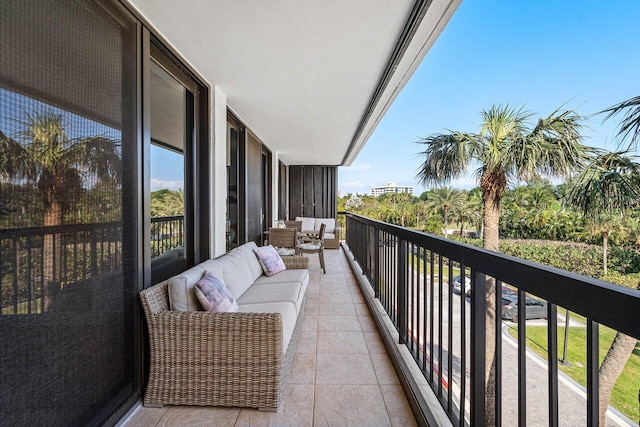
(309, 246)
(286, 251)
(295, 275)
(329, 236)
(286, 309)
(275, 292)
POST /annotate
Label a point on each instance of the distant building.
(391, 187)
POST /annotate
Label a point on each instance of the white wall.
(218, 184)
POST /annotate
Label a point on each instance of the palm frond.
(502, 126)
(630, 125)
(553, 148)
(15, 160)
(446, 156)
(99, 155)
(610, 182)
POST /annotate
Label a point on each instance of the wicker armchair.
(216, 359)
(335, 242)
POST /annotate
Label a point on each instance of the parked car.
(508, 292)
(535, 309)
(457, 286)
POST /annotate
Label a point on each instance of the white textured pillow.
(181, 296)
(214, 295)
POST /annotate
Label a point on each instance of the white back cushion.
(330, 224)
(182, 296)
(308, 224)
(252, 261)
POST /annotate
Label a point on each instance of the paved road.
(572, 397)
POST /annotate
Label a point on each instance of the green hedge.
(579, 258)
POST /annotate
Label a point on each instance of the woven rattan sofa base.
(215, 359)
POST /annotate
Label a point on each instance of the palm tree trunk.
(52, 253)
(605, 250)
(493, 186)
(621, 349)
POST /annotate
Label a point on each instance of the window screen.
(67, 293)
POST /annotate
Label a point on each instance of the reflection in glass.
(168, 125)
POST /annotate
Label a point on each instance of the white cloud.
(159, 184)
(357, 167)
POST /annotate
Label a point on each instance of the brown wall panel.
(254, 189)
(312, 191)
(295, 191)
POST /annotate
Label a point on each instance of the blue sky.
(540, 54)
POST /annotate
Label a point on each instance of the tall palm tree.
(45, 154)
(445, 201)
(610, 183)
(507, 149)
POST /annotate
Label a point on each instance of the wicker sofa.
(227, 359)
(332, 230)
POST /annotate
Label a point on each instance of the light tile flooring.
(341, 374)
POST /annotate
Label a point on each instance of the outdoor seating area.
(312, 226)
(340, 372)
(229, 354)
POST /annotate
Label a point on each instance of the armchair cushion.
(308, 224)
(330, 224)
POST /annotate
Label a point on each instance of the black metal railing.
(166, 233)
(36, 263)
(450, 336)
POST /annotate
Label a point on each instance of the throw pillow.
(214, 295)
(269, 260)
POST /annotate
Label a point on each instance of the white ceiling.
(299, 74)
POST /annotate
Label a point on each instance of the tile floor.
(341, 374)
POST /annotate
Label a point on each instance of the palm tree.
(47, 155)
(446, 200)
(507, 150)
(610, 183)
(630, 125)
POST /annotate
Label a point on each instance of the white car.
(457, 285)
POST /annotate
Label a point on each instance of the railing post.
(376, 263)
(479, 346)
(593, 363)
(401, 289)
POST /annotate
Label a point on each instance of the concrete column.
(218, 184)
(275, 187)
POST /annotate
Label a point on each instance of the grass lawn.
(445, 268)
(625, 393)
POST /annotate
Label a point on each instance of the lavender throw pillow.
(214, 295)
(269, 260)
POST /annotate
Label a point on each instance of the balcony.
(341, 373)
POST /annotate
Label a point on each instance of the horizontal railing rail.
(37, 263)
(412, 274)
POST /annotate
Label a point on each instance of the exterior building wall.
(391, 187)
